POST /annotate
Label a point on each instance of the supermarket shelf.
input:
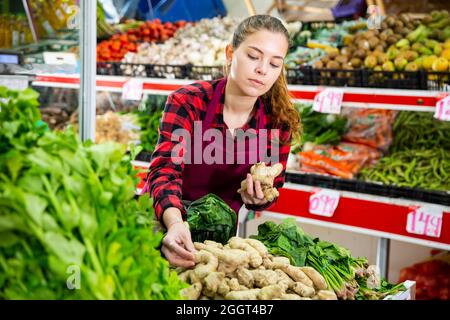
(415, 100)
(381, 217)
(362, 187)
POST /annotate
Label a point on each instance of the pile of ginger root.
(243, 269)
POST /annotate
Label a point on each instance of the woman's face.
(257, 63)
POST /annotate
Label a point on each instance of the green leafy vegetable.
(210, 218)
(319, 128)
(70, 227)
(347, 276)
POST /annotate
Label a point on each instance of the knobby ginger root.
(212, 283)
(317, 279)
(266, 176)
(251, 294)
(206, 263)
(297, 274)
(290, 296)
(270, 292)
(243, 269)
(264, 278)
(303, 290)
(239, 243)
(245, 277)
(193, 292)
(259, 246)
(284, 280)
(326, 295)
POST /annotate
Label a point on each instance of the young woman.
(253, 96)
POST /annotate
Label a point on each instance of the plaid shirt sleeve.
(279, 181)
(165, 174)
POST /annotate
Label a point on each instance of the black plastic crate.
(299, 76)
(437, 81)
(337, 77)
(167, 71)
(107, 68)
(205, 72)
(393, 79)
(372, 188)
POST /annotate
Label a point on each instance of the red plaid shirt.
(183, 107)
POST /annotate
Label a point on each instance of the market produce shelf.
(365, 78)
(378, 189)
(377, 98)
(383, 217)
(384, 214)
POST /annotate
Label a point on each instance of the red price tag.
(329, 101)
(323, 202)
(425, 220)
(443, 109)
(133, 89)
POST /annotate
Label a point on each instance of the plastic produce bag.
(370, 127)
(210, 218)
(344, 160)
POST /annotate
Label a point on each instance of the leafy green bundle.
(319, 128)
(351, 278)
(210, 218)
(69, 226)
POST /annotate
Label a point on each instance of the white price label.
(443, 109)
(425, 220)
(323, 202)
(133, 89)
(329, 101)
(60, 58)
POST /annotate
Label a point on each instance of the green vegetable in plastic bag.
(210, 218)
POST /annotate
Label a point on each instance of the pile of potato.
(243, 269)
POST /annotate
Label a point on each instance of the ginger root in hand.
(266, 176)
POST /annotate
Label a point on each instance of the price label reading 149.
(329, 101)
(425, 220)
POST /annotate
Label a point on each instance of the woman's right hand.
(177, 246)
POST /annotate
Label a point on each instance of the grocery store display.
(401, 44)
(115, 48)
(420, 156)
(243, 269)
(69, 216)
(420, 130)
(425, 169)
(202, 44)
(350, 278)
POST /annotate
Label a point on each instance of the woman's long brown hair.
(283, 111)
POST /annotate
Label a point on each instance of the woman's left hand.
(254, 194)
